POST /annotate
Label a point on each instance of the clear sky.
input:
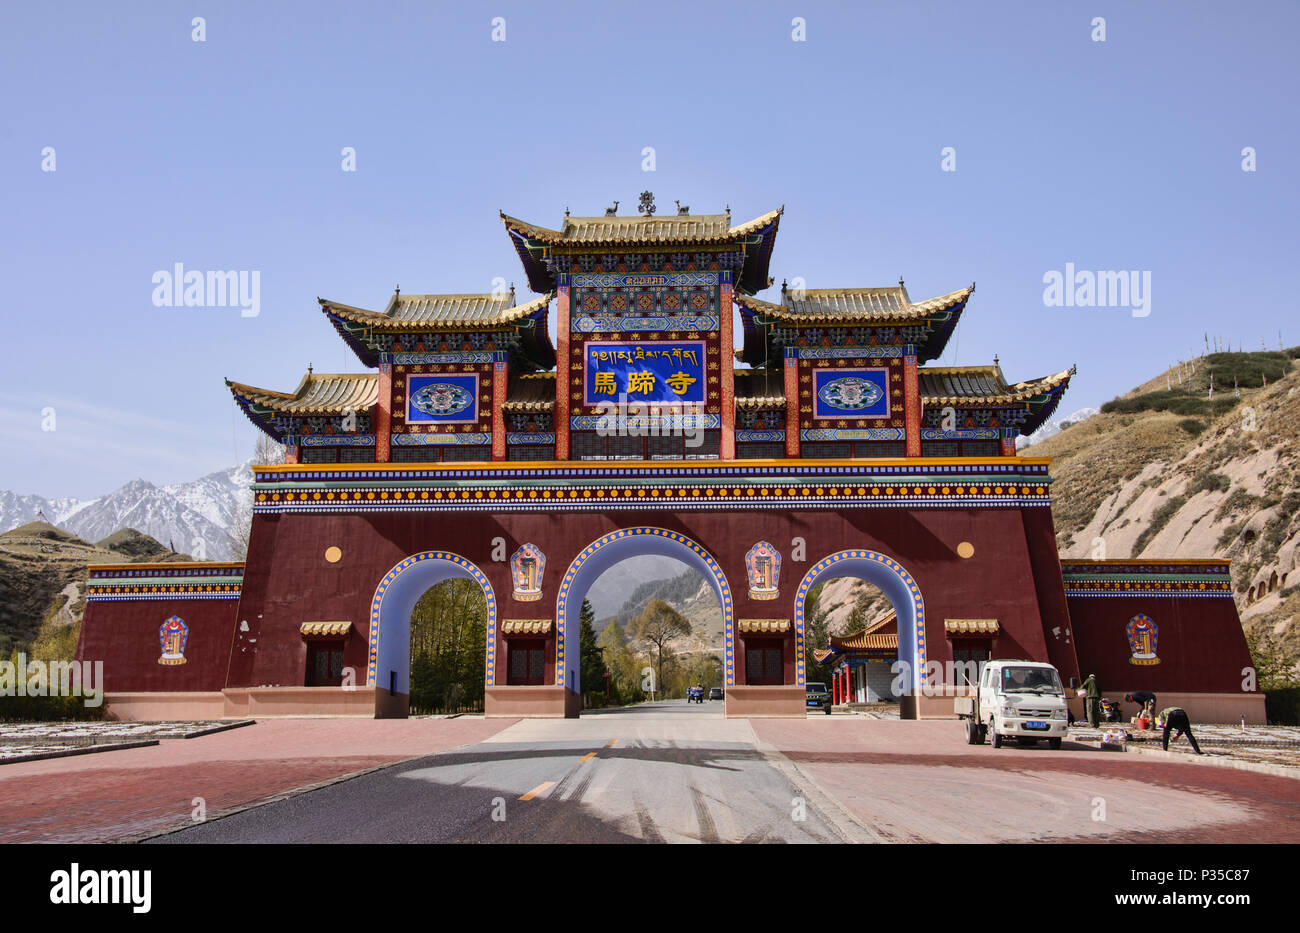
(226, 154)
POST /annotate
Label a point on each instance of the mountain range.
(194, 517)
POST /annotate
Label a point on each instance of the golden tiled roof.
(971, 626)
(317, 394)
(525, 626)
(956, 385)
(530, 392)
(668, 229)
(321, 629)
(754, 626)
(882, 305)
(874, 637)
(440, 312)
(861, 642)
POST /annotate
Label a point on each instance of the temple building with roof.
(476, 445)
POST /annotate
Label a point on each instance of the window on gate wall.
(324, 664)
(526, 663)
(764, 664)
(969, 659)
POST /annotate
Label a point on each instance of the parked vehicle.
(1023, 700)
(715, 693)
(694, 694)
(818, 697)
(1111, 711)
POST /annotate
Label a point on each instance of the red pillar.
(792, 407)
(835, 688)
(563, 373)
(726, 374)
(912, 403)
(383, 412)
(499, 385)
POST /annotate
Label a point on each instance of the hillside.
(1166, 471)
(43, 577)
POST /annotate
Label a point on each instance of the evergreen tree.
(593, 660)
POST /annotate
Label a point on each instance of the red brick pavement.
(124, 794)
(922, 782)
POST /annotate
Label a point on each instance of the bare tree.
(657, 625)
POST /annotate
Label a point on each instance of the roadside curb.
(82, 750)
(224, 727)
(1216, 762)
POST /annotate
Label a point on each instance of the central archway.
(617, 546)
(390, 613)
(896, 583)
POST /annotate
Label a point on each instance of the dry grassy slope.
(43, 577)
(1138, 485)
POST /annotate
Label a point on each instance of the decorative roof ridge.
(504, 313)
(558, 237)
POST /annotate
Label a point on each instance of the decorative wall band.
(845, 353)
(527, 438)
(642, 279)
(617, 323)
(852, 434)
(337, 440)
(430, 440)
(962, 434)
(454, 356)
(673, 422)
(751, 436)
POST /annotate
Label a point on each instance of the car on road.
(818, 697)
(715, 693)
(694, 694)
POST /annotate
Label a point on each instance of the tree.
(657, 625)
(1275, 663)
(816, 635)
(593, 662)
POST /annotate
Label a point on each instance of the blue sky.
(226, 154)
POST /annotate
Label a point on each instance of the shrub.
(1192, 426)
(1282, 707)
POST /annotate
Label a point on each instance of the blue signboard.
(851, 393)
(450, 398)
(645, 371)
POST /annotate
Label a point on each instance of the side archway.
(395, 598)
(895, 582)
(616, 546)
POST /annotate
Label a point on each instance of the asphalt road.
(662, 772)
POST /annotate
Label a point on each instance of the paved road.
(672, 772)
(662, 772)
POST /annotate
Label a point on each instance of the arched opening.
(651, 613)
(389, 658)
(448, 648)
(903, 594)
(851, 630)
(612, 549)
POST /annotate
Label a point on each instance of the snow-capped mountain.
(194, 517)
(1054, 426)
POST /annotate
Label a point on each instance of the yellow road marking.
(610, 743)
(588, 756)
(545, 785)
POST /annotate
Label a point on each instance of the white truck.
(1022, 700)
